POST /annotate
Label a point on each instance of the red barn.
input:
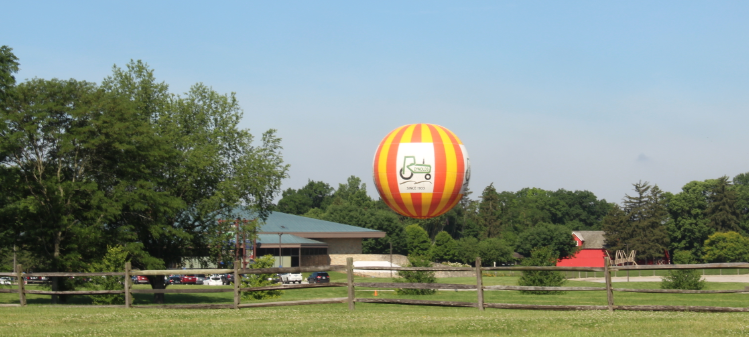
(591, 253)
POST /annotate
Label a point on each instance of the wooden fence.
(351, 285)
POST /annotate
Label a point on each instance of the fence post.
(128, 282)
(21, 288)
(237, 281)
(350, 282)
(609, 290)
(479, 284)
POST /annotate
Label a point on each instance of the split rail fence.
(351, 285)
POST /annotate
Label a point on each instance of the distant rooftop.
(287, 239)
(591, 239)
(305, 227)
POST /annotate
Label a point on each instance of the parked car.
(189, 279)
(140, 279)
(175, 279)
(291, 278)
(201, 279)
(36, 279)
(319, 277)
(5, 280)
(227, 279)
(213, 280)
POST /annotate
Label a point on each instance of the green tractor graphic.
(409, 162)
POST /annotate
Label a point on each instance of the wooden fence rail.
(351, 299)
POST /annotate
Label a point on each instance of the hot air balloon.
(421, 170)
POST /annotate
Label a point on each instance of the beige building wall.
(315, 260)
(343, 246)
(340, 259)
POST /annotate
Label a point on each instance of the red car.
(189, 279)
(140, 279)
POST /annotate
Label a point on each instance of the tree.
(113, 261)
(417, 241)
(489, 213)
(741, 186)
(417, 276)
(687, 279)
(316, 194)
(722, 211)
(211, 168)
(260, 280)
(726, 247)
(578, 210)
(8, 66)
(640, 225)
(688, 225)
(354, 192)
(78, 154)
(557, 238)
(468, 249)
(494, 250)
(444, 248)
(541, 278)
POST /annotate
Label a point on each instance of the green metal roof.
(286, 239)
(279, 222)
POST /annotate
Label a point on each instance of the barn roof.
(591, 239)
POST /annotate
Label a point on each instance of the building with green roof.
(296, 240)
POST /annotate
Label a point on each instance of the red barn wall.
(584, 258)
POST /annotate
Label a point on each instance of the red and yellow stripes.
(448, 171)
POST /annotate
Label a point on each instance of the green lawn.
(384, 319)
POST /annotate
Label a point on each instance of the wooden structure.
(351, 299)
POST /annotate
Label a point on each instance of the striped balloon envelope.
(421, 170)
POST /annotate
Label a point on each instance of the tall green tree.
(741, 186)
(688, 224)
(722, 211)
(640, 225)
(79, 155)
(489, 213)
(212, 167)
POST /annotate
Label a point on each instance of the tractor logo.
(409, 163)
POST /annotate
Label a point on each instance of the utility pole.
(280, 253)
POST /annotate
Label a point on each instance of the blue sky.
(581, 95)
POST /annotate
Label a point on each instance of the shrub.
(416, 276)
(260, 280)
(687, 279)
(541, 278)
(726, 247)
(113, 261)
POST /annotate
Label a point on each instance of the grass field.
(385, 319)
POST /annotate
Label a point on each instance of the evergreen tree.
(541, 278)
(640, 226)
(489, 214)
(741, 186)
(687, 279)
(722, 211)
(417, 241)
(444, 248)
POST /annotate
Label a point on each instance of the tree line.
(703, 219)
(85, 167)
